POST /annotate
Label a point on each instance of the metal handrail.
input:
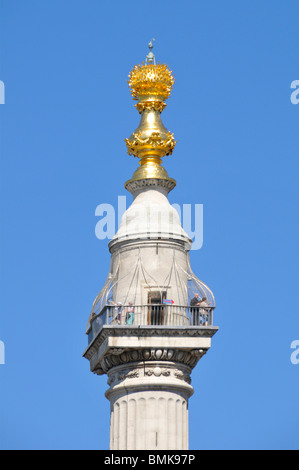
(150, 315)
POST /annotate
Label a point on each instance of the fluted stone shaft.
(149, 406)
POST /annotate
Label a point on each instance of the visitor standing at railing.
(118, 310)
(199, 310)
(195, 314)
(204, 312)
(130, 315)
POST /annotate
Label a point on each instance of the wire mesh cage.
(182, 281)
(196, 286)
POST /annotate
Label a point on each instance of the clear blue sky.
(67, 112)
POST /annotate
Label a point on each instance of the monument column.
(153, 319)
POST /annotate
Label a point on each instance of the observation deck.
(136, 333)
(150, 315)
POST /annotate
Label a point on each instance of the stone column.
(148, 371)
(149, 405)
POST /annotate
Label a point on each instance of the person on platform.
(130, 315)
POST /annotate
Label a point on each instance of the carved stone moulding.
(151, 372)
(134, 185)
(117, 357)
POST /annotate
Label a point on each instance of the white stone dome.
(151, 216)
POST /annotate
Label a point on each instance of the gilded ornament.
(154, 105)
(152, 80)
(155, 141)
(150, 85)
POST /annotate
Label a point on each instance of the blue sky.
(67, 112)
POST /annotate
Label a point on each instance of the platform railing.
(150, 315)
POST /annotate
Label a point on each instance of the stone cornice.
(146, 331)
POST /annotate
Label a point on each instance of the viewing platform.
(150, 315)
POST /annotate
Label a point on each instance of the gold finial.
(150, 85)
(151, 81)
